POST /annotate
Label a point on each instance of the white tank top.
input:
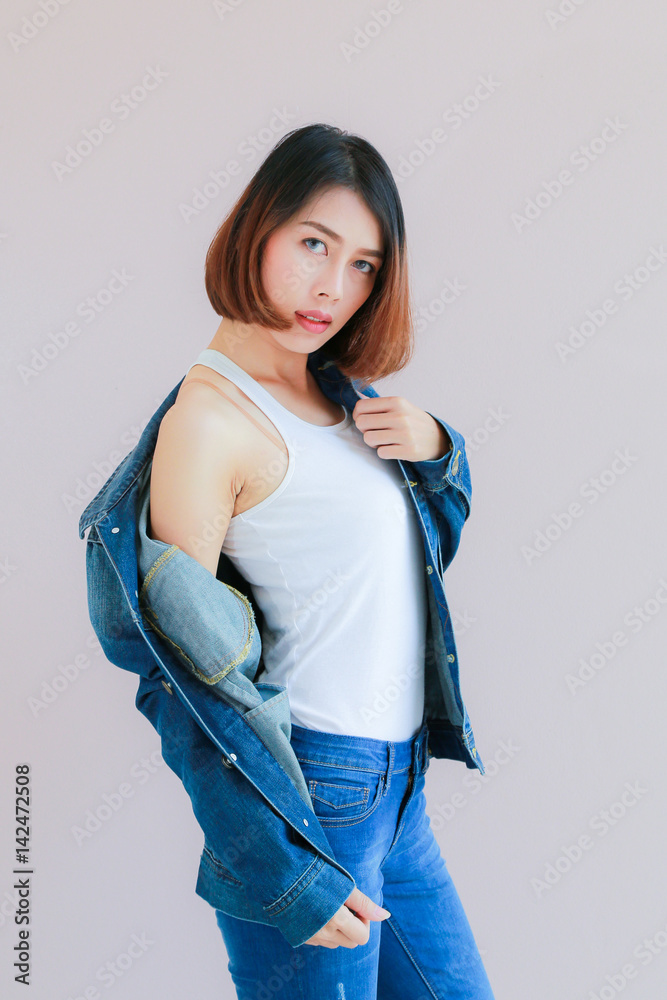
(335, 561)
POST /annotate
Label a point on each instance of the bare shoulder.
(205, 414)
(195, 475)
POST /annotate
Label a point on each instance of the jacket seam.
(266, 705)
(150, 576)
(297, 888)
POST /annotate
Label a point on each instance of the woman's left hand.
(397, 428)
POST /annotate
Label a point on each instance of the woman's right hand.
(350, 925)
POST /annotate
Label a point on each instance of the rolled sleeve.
(452, 469)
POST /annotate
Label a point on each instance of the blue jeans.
(369, 797)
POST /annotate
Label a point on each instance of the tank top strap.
(257, 393)
(288, 424)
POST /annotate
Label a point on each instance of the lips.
(316, 314)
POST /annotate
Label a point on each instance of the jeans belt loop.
(390, 760)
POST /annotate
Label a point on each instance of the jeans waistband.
(384, 756)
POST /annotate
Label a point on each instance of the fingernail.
(381, 912)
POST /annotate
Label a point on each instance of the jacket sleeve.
(446, 487)
(251, 847)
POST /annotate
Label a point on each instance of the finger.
(363, 904)
(368, 910)
(352, 932)
(374, 438)
(377, 404)
(378, 417)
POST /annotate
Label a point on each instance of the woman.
(253, 460)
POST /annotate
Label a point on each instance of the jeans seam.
(414, 776)
(349, 767)
(395, 928)
(405, 812)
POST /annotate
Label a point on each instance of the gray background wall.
(548, 355)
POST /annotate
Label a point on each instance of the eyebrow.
(337, 238)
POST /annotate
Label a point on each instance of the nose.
(329, 282)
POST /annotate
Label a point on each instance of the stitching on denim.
(269, 703)
(349, 767)
(171, 551)
(340, 821)
(247, 641)
(220, 867)
(297, 888)
(195, 669)
(314, 782)
(461, 496)
(410, 795)
(185, 656)
(401, 940)
(85, 514)
(105, 488)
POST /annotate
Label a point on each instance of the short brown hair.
(378, 339)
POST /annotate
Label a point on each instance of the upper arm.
(194, 481)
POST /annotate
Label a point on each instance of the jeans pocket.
(342, 796)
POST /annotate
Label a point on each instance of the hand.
(350, 925)
(397, 428)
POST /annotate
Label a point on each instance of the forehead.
(345, 212)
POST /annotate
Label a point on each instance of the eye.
(313, 239)
(368, 264)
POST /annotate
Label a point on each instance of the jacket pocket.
(220, 871)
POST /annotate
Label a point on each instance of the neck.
(254, 349)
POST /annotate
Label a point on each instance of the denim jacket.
(194, 640)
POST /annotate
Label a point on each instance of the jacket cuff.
(436, 473)
(310, 902)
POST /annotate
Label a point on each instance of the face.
(323, 264)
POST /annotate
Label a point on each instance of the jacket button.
(451, 657)
(305, 821)
(226, 761)
(429, 569)
(167, 686)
